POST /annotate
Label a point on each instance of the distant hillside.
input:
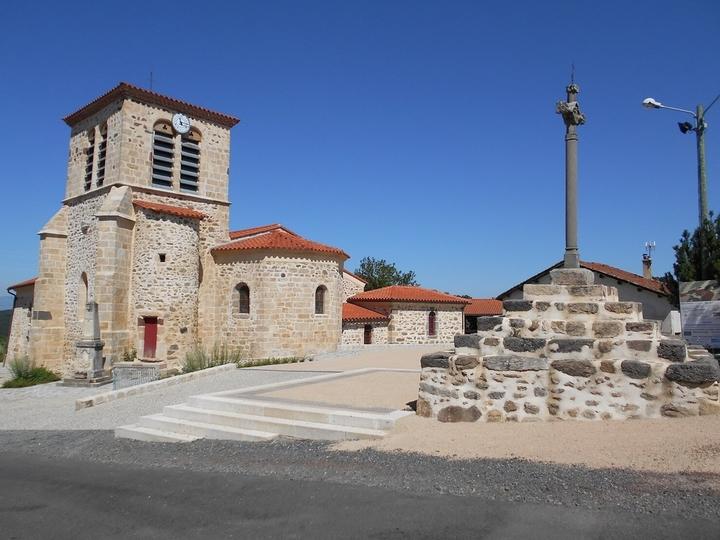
(5, 322)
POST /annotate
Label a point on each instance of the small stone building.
(143, 230)
(21, 318)
(362, 326)
(480, 307)
(416, 315)
(651, 293)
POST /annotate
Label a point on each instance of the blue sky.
(419, 132)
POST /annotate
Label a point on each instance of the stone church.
(143, 231)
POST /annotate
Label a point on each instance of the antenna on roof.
(649, 248)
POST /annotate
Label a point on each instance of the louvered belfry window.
(163, 151)
(89, 157)
(102, 151)
(190, 161)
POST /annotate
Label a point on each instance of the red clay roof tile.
(171, 210)
(129, 91)
(484, 306)
(25, 283)
(650, 284)
(353, 313)
(243, 233)
(405, 293)
(279, 239)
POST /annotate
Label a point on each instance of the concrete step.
(200, 429)
(282, 426)
(139, 433)
(294, 411)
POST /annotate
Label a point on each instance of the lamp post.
(699, 128)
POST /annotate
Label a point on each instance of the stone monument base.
(568, 350)
(98, 380)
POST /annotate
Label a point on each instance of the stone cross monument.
(570, 111)
(89, 351)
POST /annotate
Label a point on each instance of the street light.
(699, 128)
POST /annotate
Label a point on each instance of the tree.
(380, 273)
(696, 260)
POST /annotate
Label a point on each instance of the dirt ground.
(384, 389)
(662, 445)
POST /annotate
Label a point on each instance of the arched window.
(89, 157)
(102, 151)
(432, 324)
(82, 296)
(163, 151)
(190, 161)
(320, 299)
(242, 296)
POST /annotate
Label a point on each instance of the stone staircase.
(254, 418)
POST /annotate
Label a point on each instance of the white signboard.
(700, 311)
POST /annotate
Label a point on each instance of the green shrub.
(129, 355)
(25, 373)
(198, 357)
(3, 348)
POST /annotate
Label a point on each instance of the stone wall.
(19, 338)
(82, 244)
(353, 333)
(655, 306)
(282, 319)
(351, 286)
(567, 351)
(409, 323)
(165, 289)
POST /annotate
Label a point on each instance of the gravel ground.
(50, 406)
(682, 495)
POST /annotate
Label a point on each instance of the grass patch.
(26, 373)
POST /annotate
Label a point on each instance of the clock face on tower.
(181, 123)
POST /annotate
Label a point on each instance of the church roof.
(253, 231)
(353, 313)
(652, 285)
(128, 91)
(279, 239)
(171, 210)
(407, 293)
(484, 306)
(25, 283)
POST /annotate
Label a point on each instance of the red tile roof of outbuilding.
(25, 283)
(172, 210)
(353, 313)
(484, 306)
(623, 275)
(128, 91)
(280, 239)
(406, 293)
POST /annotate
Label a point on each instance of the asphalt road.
(53, 497)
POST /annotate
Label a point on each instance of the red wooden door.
(432, 330)
(367, 335)
(150, 341)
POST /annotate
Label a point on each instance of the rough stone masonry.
(568, 350)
